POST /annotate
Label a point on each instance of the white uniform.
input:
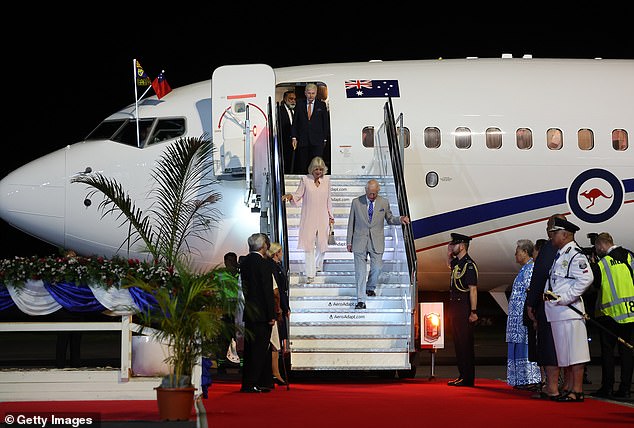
(570, 277)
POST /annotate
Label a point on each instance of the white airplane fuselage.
(496, 195)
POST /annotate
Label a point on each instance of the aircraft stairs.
(326, 332)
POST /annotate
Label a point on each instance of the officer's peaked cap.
(561, 224)
(457, 238)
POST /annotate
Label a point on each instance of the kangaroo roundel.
(595, 196)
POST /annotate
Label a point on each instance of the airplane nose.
(32, 197)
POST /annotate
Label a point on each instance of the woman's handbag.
(331, 236)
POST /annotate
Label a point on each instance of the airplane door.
(234, 90)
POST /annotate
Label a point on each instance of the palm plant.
(187, 313)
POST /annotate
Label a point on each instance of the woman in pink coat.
(314, 194)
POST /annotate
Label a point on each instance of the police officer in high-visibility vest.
(614, 281)
(463, 304)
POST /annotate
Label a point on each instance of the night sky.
(61, 76)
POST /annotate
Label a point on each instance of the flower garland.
(80, 271)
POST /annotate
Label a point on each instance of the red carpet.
(365, 403)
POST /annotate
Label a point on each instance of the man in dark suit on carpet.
(311, 129)
(259, 315)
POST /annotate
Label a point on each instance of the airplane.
(492, 148)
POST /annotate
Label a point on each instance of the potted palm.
(187, 311)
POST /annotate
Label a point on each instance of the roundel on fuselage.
(595, 196)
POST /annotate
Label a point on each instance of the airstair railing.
(279, 224)
(396, 147)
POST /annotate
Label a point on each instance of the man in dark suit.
(286, 112)
(259, 315)
(311, 129)
(366, 237)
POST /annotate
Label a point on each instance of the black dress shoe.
(619, 393)
(360, 305)
(370, 293)
(602, 393)
(462, 382)
(251, 390)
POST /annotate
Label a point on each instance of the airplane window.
(106, 130)
(431, 179)
(432, 137)
(619, 139)
(524, 138)
(405, 135)
(463, 137)
(128, 134)
(493, 138)
(367, 136)
(585, 139)
(167, 129)
(554, 139)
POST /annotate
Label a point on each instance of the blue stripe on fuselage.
(494, 210)
(490, 211)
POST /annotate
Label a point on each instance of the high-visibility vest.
(617, 289)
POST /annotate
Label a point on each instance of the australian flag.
(372, 88)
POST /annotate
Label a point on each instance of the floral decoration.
(80, 271)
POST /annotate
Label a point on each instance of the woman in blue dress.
(520, 371)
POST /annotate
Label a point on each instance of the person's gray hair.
(526, 245)
(257, 241)
(373, 182)
(317, 162)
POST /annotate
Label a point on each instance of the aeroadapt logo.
(595, 196)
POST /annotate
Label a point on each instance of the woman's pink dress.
(316, 212)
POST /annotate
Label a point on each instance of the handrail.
(396, 147)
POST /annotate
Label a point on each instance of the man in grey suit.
(366, 237)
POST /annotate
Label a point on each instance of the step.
(349, 317)
(347, 328)
(350, 344)
(351, 292)
(346, 302)
(350, 361)
(347, 277)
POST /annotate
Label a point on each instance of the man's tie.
(370, 210)
(310, 109)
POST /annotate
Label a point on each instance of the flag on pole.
(142, 78)
(160, 85)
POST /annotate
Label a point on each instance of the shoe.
(453, 382)
(370, 293)
(251, 390)
(602, 393)
(279, 381)
(462, 382)
(568, 398)
(621, 394)
(360, 305)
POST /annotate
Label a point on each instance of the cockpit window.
(106, 129)
(151, 131)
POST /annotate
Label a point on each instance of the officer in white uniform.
(570, 277)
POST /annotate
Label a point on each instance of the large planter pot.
(175, 404)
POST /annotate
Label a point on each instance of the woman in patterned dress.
(520, 371)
